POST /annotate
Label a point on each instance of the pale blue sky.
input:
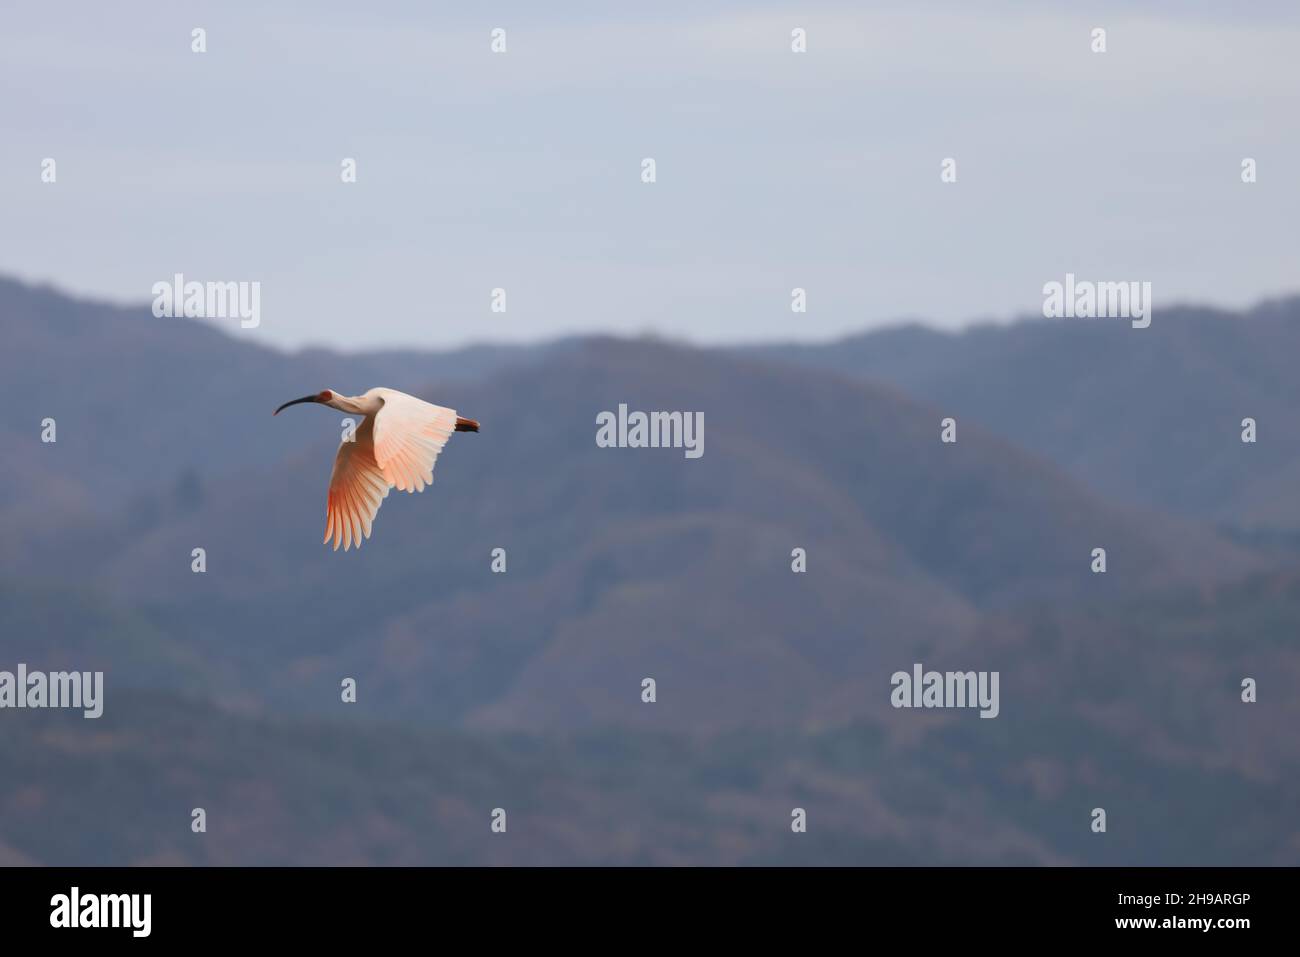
(775, 170)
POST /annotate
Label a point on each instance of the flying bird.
(396, 445)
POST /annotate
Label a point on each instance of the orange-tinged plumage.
(395, 445)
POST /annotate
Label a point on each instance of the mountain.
(143, 403)
(523, 689)
(121, 790)
(627, 563)
(1150, 417)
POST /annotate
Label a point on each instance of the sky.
(522, 170)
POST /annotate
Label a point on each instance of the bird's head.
(324, 398)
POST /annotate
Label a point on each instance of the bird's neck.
(353, 404)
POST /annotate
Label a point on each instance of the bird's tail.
(466, 425)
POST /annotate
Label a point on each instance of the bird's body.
(395, 445)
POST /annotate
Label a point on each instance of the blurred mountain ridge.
(628, 563)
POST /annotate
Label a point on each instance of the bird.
(395, 446)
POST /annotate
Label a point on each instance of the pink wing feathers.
(409, 434)
(395, 446)
(357, 488)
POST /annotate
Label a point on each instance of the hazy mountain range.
(1139, 415)
(523, 690)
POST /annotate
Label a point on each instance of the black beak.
(305, 398)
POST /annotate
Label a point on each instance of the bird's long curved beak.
(305, 398)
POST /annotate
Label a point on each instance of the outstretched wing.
(357, 487)
(409, 434)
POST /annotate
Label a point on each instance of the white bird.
(396, 445)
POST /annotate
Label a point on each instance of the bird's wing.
(357, 487)
(409, 434)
